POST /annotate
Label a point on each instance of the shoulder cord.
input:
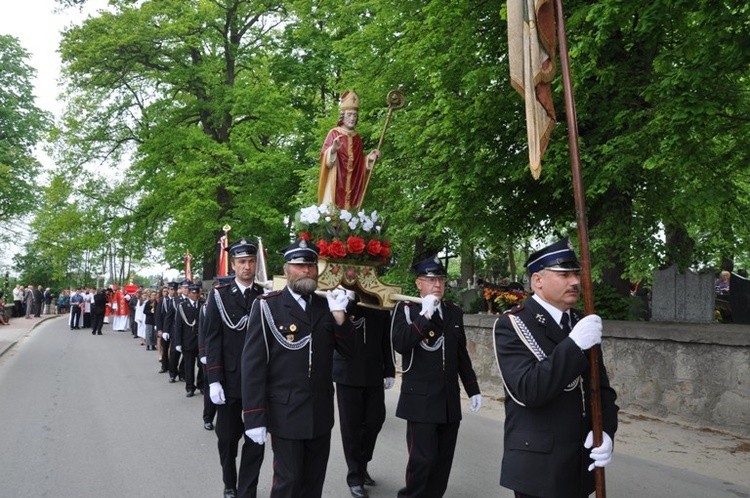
(184, 319)
(439, 344)
(291, 346)
(241, 323)
(528, 339)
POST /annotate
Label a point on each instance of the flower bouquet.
(500, 299)
(343, 235)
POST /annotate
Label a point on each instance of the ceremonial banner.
(223, 259)
(531, 56)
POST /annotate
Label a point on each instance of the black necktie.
(247, 297)
(565, 323)
(308, 305)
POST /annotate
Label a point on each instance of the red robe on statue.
(346, 177)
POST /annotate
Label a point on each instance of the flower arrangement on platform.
(500, 299)
(341, 234)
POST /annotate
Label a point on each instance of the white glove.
(257, 435)
(337, 300)
(203, 359)
(601, 455)
(178, 348)
(429, 303)
(587, 332)
(217, 393)
(165, 336)
(476, 403)
(388, 382)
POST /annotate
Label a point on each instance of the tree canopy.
(22, 125)
(220, 109)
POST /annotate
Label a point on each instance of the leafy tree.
(21, 127)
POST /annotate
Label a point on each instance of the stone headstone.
(682, 297)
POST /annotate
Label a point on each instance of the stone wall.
(695, 374)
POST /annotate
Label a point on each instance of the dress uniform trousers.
(301, 466)
(361, 416)
(431, 448)
(230, 429)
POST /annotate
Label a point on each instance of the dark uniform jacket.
(186, 325)
(429, 385)
(543, 446)
(290, 391)
(371, 358)
(225, 328)
(100, 303)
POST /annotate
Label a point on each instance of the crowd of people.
(266, 364)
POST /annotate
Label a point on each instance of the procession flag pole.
(579, 195)
(531, 55)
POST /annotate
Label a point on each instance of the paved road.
(84, 415)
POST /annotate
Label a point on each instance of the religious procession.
(265, 353)
(418, 257)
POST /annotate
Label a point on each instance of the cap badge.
(303, 244)
(243, 241)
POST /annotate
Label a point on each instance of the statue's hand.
(336, 144)
(372, 157)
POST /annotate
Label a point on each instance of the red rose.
(351, 273)
(304, 235)
(336, 249)
(355, 245)
(385, 252)
(323, 246)
(374, 247)
(385, 243)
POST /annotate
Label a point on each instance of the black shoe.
(172, 380)
(367, 480)
(190, 394)
(358, 491)
(230, 493)
(208, 426)
(93, 333)
(98, 333)
(163, 370)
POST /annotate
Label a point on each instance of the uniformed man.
(209, 408)
(548, 438)
(227, 311)
(287, 364)
(432, 342)
(164, 322)
(360, 380)
(186, 337)
(176, 363)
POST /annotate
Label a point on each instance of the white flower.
(374, 216)
(353, 224)
(345, 215)
(367, 225)
(328, 219)
(309, 215)
(323, 209)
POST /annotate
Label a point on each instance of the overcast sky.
(37, 24)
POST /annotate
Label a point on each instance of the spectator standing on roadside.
(38, 300)
(47, 301)
(28, 301)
